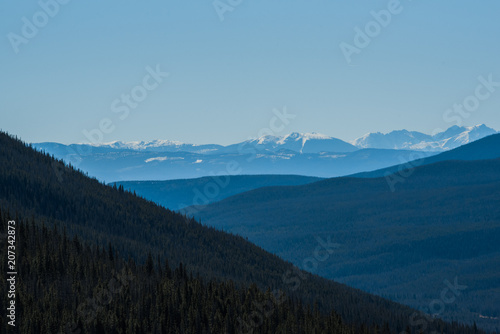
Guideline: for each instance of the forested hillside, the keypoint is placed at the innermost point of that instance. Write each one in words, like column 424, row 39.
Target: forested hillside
column 67, row 286
column 441, row 222
column 34, row 186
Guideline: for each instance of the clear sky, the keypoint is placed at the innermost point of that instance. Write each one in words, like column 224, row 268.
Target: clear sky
column 226, row 77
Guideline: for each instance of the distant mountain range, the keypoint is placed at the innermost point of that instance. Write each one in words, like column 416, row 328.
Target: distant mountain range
column 160, row 146
column 308, row 154
column 181, row 193
column 412, row 140
column 111, row 165
column 297, row 142
column 452, row 138
column 484, row 149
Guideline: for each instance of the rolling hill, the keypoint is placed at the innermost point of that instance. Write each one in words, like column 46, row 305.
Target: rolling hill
column 178, row 194
column 442, row 223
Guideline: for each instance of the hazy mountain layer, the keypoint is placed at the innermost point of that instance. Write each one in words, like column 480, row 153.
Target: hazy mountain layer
column 452, row 138
column 178, row 194
column 441, row 222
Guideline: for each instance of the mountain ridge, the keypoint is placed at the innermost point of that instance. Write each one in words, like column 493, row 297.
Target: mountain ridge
column 312, row 142
column 308, row 154
column 178, row 194
column 451, row 138
column 115, row 165
column 484, row 149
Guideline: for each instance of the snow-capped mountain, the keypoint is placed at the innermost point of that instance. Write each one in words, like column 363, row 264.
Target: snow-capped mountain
column 297, row 153
column 299, row 142
column 452, row 138
column 302, row 143
column 159, row 146
column 471, row 134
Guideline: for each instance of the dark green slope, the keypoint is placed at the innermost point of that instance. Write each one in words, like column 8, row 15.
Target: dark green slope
column 178, row 194
column 483, row 149
column 442, row 222
column 34, row 186
column 69, row 287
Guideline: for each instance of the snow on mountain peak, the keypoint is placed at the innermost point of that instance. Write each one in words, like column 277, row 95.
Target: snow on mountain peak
column 453, row 137
column 312, row 142
column 139, row 145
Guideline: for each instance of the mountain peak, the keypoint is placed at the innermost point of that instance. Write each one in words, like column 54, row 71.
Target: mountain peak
column 309, row 142
column 479, row 126
column 451, row 138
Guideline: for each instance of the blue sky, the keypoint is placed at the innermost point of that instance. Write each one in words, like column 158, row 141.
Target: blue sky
column 226, row 77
